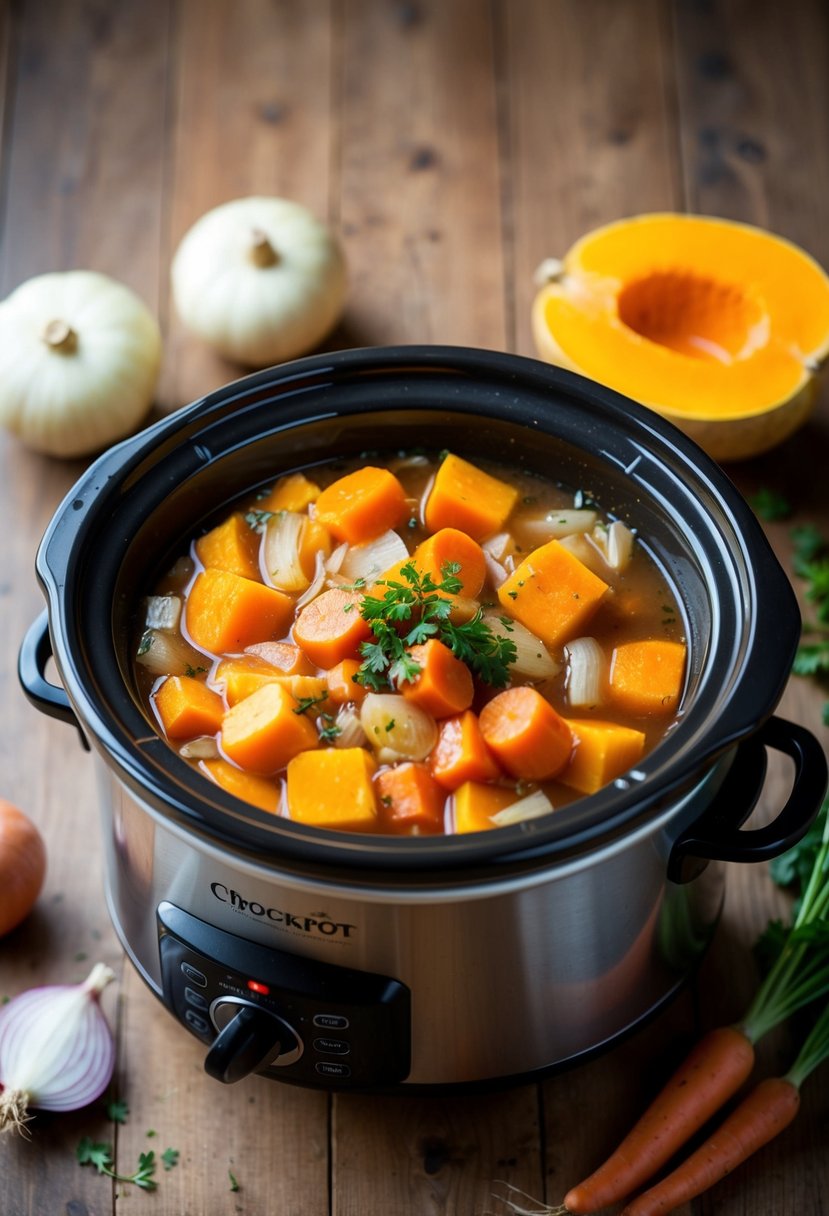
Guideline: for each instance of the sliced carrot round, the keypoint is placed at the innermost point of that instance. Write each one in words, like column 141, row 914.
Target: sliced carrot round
column 444, row 685
column 330, row 628
column 526, row 734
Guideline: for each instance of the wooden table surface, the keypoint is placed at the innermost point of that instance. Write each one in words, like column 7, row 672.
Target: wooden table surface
column 453, row 145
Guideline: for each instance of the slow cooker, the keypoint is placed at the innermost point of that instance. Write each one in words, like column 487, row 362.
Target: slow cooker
column 368, row 962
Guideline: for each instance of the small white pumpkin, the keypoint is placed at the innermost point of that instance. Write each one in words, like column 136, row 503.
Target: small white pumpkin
column 260, row 280
column 79, row 361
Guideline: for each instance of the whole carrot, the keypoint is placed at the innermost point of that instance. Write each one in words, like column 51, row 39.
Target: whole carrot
column 722, row 1060
column 715, row 1069
column 761, row 1116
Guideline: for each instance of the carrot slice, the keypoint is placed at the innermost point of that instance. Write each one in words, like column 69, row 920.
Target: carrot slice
column 410, row 798
column 474, row 805
column 465, row 497
column 715, row 1069
column 292, row 493
column 763, row 1114
column 231, row 546
column 461, row 754
column 342, row 686
column 330, row 628
column 451, row 546
column 444, row 685
column 266, row 730
column 603, row 751
column 362, row 505
column 646, row 677
column 226, row 613
column 332, row 788
column 552, row 593
column 526, row 734
column 187, row 708
column 284, row 655
column 259, row 791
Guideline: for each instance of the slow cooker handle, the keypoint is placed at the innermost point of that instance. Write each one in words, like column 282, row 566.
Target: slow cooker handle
column 717, row 834
column 35, row 653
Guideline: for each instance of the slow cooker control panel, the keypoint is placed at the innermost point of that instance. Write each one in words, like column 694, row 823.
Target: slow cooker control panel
column 267, row 1011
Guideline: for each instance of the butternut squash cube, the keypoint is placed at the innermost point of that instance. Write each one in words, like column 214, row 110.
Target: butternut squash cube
column 552, row 593
column 646, row 677
column 258, row 791
column 332, row 788
column 231, row 546
column 292, row 493
column 475, row 803
column 467, row 498
column 187, row 708
column 362, row 505
column 226, row 612
column 266, row 730
column 603, row 751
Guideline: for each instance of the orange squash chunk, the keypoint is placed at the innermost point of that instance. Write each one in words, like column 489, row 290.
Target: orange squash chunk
column 410, row 798
column 466, row 498
column 292, row 493
column 225, row 612
column 474, row 805
column 450, row 545
column 265, row 731
column 362, row 505
column 332, row 788
column 259, row 791
column 444, row 685
column 288, row 658
column 330, row 628
column 552, row 593
column 461, row 754
column 342, row 686
column 313, row 539
column 231, row 546
column 239, row 677
column 187, row 708
column 603, row 751
column 530, row 740
column 646, row 677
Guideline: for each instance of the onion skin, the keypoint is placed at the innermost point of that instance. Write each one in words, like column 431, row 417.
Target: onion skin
column 22, row 866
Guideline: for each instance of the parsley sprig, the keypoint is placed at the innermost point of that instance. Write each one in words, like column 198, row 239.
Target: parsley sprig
column 420, row 602
column 811, row 563
column 100, row 1156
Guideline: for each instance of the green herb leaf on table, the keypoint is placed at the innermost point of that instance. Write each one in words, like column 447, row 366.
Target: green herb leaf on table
column 100, row 1156
column 234, row 1185
column 169, row 1158
column 117, row 1111
column 793, row 868
column 771, row 505
column 386, row 660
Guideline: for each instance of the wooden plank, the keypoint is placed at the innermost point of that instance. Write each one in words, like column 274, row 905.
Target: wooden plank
column 419, row 179
column 252, row 116
column 84, row 121
column 588, row 127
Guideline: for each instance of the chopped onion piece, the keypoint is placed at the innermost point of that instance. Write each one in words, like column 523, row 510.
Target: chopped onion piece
column 497, row 545
column 351, row 729
column 533, row 660
column 585, row 679
column 400, row 730
column 370, row 561
column 317, row 583
column 203, row 748
column 334, row 562
column 615, row 543
column 532, row 807
column 566, row 521
column 280, row 551
column 162, row 612
column 582, row 547
column 497, row 573
column 168, row 654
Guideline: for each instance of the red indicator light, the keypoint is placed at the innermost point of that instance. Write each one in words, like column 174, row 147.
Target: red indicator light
column 262, row 989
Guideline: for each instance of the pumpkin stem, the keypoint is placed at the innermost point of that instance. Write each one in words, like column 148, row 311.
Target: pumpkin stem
column 548, row 271
column 262, row 252
column 60, row 336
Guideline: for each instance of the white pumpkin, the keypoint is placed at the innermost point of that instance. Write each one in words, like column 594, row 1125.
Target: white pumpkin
column 79, row 362
column 260, row 280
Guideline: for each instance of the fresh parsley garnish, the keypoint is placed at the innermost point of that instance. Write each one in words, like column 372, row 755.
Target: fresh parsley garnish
column 100, row 1156
column 192, row 672
column 145, row 644
column 771, row 505
column 258, row 520
column 420, row 602
column 329, row 730
column 303, row 704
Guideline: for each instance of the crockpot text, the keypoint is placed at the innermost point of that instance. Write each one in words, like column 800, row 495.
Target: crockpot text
column 306, row 924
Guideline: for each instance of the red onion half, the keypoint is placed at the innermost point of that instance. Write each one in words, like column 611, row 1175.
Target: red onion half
column 56, row 1049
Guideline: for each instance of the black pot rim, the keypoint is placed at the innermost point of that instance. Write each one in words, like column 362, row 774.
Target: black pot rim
column 743, row 676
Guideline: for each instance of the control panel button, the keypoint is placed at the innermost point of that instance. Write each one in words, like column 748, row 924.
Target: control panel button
column 330, row 1021
column 195, row 999
column 194, row 975
column 332, row 1068
column 332, row 1047
column 196, row 1021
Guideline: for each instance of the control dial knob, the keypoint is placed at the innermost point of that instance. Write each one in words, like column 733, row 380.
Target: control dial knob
column 249, row 1038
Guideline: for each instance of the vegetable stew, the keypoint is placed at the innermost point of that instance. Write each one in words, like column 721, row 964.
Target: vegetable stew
column 423, row 646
